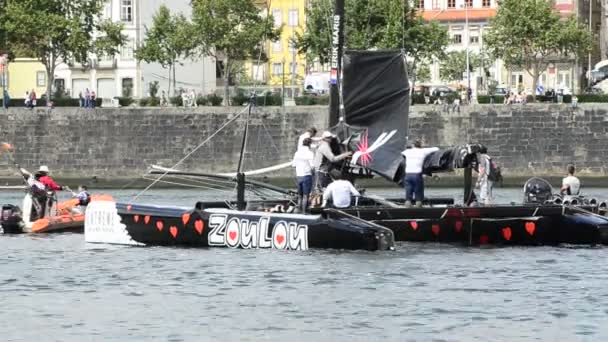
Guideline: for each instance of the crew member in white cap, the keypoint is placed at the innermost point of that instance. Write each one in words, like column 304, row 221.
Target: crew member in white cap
column 324, row 159
column 42, row 175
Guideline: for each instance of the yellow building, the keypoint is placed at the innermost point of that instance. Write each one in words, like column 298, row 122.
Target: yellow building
column 25, row 74
column 283, row 59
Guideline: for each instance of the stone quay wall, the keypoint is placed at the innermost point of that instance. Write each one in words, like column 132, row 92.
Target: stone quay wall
column 123, row 143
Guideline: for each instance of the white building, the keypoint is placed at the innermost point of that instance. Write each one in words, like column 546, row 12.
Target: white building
column 123, row 75
column 110, row 76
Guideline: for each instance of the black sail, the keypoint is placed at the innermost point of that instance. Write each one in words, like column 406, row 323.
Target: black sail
column 375, row 94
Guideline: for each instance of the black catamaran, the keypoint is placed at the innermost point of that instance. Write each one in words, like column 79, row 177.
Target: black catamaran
column 369, row 113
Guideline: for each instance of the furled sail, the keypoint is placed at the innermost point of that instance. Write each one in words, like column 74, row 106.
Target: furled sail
column 375, row 95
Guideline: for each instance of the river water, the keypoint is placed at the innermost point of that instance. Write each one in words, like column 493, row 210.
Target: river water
column 57, row 288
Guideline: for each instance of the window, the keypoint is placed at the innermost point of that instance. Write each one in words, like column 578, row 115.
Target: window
column 451, row 3
column 563, row 79
column 420, row 4
column 436, row 4
column 278, row 20
column 516, row 79
column 126, row 10
column 457, row 39
column 474, row 39
column 126, row 51
column 127, row 87
column 277, row 69
column 293, row 18
column 59, row 86
column 485, row 3
column 293, row 68
column 468, row 3
column 107, row 10
column 40, row 79
column 277, row 46
column 543, row 79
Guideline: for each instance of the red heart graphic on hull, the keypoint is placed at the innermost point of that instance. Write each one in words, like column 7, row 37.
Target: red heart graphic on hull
column 506, row 233
column 146, row 219
column 199, row 225
column 159, row 225
column 436, row 229
column 232, row 235
column 173, row 231
column 414, row 225
column 136, row 218
column 280, row 239
column 185, row 218
column 458, row 226
column 530, row 227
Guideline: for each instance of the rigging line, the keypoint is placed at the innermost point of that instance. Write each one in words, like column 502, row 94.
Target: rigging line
column 195, row 182
column 191, row 152
column 187, row 185
column 204, row 186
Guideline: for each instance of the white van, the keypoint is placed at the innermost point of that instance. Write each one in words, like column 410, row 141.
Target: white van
column 317, row 83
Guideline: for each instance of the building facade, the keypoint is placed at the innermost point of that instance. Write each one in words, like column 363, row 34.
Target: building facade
column 562, row 72
column 284, row 64
column 25, row 74
column 109, row 76
column 122, row 74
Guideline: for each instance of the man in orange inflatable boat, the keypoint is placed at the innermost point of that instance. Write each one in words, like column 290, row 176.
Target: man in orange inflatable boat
column 42, row 175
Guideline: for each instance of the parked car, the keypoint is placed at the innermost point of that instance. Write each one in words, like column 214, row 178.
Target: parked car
column 501, row 90
column 442, row 91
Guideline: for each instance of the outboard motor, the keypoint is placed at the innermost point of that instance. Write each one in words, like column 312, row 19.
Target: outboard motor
column 537, row 190
column 11, row 219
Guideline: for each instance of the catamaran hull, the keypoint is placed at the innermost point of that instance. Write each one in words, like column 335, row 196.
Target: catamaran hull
column 513, row 225
column 144, row 225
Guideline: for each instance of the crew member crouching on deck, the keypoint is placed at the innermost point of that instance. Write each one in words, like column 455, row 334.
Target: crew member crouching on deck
column 413, row 181
column 340, row 192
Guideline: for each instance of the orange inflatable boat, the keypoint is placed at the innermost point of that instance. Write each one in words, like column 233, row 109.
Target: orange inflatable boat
column 70, row 217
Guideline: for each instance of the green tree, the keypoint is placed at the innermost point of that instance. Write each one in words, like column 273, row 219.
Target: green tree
column 168, row 42
column 453, row 66
column 423, row 73
column 231, row 31
column 58, row 31
column 381, row 24
column 529, row 33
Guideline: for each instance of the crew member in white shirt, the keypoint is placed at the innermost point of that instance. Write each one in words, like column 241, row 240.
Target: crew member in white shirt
column 571, row 185
column 303, row 161
column 340, row 192
column 413, row 181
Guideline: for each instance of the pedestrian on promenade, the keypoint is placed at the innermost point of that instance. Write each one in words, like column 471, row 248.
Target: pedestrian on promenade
column 80, row 99
column 87, row 98
column 33, row 98
column 93, row 98
column 6, row 99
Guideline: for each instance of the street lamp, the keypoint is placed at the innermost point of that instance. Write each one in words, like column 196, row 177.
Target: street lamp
column 466, row 27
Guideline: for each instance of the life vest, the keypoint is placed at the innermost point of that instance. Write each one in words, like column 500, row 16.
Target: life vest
column 37, row 189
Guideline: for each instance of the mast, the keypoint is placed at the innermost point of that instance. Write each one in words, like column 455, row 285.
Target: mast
column 240, row 176
column 336, row 63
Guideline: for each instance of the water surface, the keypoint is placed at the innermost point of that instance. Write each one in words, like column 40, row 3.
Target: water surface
column 57, row 288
